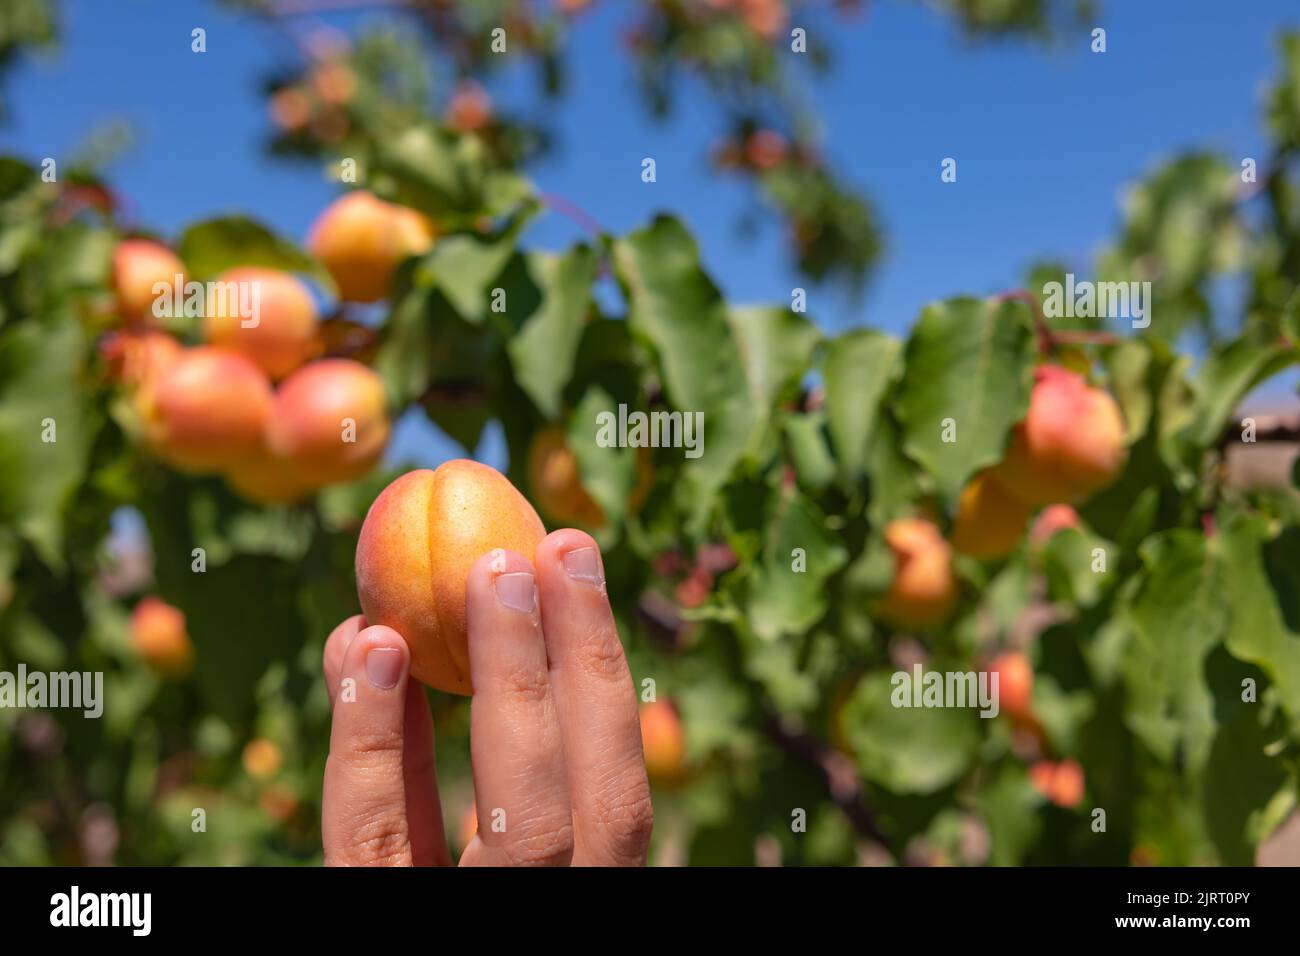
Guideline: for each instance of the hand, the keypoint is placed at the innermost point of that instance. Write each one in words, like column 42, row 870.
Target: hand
column 554, row 734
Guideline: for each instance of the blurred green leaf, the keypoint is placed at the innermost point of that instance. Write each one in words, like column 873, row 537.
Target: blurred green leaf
column 545, row 348
column 967, row 361
column 859, row 369
column 211, row 247
column 908, row 749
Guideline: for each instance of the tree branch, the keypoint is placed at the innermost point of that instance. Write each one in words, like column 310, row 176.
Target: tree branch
column 837, row 771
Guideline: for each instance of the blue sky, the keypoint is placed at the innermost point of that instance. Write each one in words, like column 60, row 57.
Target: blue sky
column 1046, row 138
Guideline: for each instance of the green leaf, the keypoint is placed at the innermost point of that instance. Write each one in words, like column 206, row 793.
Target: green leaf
column 859, row 369
column 1068, row 563
column 1227, row 376
column 211, row 247
column 1257, row 631
column 39, row 398
column 678, row 312
column 810, row 452
column 242, row 616
column 776, row 347
column 1240, row 779
column 908, row 749
column 893, row 477
column 543, row 352
column 608, row 473
column 968, row 361
column 1010, row 806
column 1177, row 614
column 787, row 591
column 465, row 267
column 1130, row 364
column 427, row 343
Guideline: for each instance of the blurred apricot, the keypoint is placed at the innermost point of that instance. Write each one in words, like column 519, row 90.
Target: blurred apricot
column 362, row 239
column 262, row 758
column 330, row 420
column 1070, row 445
column 924, row 591
column 555, row 483
column 990, row 521
column 138, row 265
column 206, row 410
column 159, row 636
column 663, row 742
column 282, row 333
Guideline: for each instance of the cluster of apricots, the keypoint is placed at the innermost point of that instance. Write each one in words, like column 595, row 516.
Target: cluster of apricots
column 1069, row 446
column 1062, row 781
column 318, row 105
column 255, row 402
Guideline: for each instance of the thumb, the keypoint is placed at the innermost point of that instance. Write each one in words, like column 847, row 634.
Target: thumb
column 363, row 813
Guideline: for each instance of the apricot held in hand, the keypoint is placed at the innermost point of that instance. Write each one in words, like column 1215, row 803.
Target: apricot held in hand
column 280, row 334
column 420, row 538
column 205, row 411
column 330, row 420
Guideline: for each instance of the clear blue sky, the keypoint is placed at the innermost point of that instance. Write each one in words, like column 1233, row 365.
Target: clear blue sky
column 1046, row 138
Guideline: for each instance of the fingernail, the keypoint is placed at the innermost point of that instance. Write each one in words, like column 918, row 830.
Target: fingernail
column 583, row 564
column 517, row 591
column 384, row 667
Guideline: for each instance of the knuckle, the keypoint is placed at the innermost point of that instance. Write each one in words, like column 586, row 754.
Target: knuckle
column 600, row 652
column 373, row 743
column 546, row 845
column 625, row 825
column 380, row 840
column 527, row 685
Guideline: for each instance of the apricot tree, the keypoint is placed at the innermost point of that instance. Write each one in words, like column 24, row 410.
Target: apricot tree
column 1003, row 491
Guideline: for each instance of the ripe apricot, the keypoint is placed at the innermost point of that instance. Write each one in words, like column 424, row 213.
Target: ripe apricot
column 137, row 265
column 1061, row 783
column 924, row 591
column 468, row 825
column 419, row 540
column 206, row 410
column 262, row 758
column 268, row 479
column 990, row 520
column 556, row 485
column 159, row 636
column 282, row 333
column 1070, row 445
column 1052, row 519
column 663, row 741
column 135, row 356
column 470, row 109
column 1015, row 684
column 330, row 420
column 362, row 239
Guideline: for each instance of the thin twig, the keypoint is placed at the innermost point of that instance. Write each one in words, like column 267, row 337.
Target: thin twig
column 573, row 211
